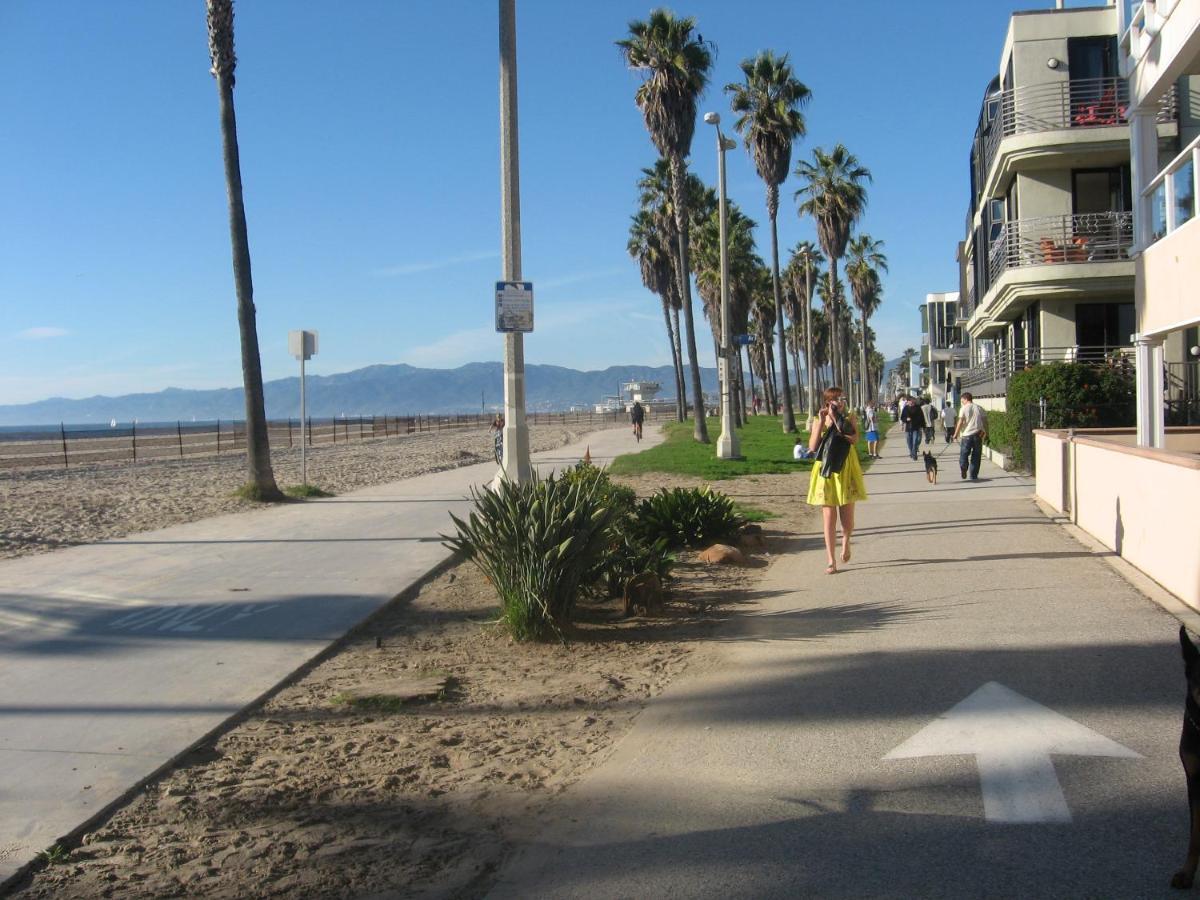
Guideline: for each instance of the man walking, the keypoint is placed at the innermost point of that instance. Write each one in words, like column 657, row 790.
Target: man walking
column 971, row 430
column 914, row 425
column 930, row 420
column 948, row 420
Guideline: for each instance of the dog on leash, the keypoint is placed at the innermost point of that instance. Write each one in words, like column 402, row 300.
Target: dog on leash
column 1189, row 755
column 931, row 467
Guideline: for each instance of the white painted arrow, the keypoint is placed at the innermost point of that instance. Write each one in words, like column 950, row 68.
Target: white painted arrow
column 1012, row 739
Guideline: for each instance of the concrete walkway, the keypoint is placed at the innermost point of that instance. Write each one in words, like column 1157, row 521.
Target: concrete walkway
column 116, row 657
column 977, row 706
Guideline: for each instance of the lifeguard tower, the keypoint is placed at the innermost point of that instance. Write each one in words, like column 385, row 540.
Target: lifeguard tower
column 642, row 392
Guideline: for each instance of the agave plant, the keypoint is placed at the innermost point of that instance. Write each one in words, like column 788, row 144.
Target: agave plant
column 539, row 543
column 687, row 516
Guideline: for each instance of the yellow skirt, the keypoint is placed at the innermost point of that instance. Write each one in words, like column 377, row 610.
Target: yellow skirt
column 846, row 486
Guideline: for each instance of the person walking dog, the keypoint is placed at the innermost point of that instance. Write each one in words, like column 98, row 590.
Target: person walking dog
column 971, row 430
column 836, row 482
column 914, row 425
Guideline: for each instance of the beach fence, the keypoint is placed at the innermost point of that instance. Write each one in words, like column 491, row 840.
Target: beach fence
column 68, row 447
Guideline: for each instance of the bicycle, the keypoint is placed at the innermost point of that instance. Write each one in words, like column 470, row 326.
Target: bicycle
column 637, row 431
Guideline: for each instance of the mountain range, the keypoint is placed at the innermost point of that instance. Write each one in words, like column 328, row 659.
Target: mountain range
column 375, row 390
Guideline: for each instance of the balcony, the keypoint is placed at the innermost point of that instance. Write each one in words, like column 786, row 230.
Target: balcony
column 1074, row 107
column 991, row 377
column 1054, row 240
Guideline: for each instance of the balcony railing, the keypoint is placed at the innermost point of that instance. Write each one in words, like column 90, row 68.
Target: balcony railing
column 1084, row 103
column 1003, row 364
column 1171, row 195
column 1049, row 240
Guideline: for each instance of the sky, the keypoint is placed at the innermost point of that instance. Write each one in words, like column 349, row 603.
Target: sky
column 369, row 139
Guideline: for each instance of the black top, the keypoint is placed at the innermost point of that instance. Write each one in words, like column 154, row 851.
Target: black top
column 913, row 418
column 637, row 414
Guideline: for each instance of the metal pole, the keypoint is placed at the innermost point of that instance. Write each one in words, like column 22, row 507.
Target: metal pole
column 303, row 419
column 727, row 443
column 515, row 464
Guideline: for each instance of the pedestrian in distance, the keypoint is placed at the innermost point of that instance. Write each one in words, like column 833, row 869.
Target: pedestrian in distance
column 801, row 451
column 931, row 417
column 948, row 418
column 913, row 421
column 637, row 415
column 836, row 482
column 871, row 421
column 970, row 431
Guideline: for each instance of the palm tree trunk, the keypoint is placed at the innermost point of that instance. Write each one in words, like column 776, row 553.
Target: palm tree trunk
column 750, row 369
column 833, row 317
column 679, row 188
column 789, row 417
column 258, row 450
column 666, row 305
column 739, row 395
column 808, row 348
column 680, row 382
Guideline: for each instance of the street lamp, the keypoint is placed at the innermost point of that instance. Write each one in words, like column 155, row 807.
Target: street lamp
column 727, row 443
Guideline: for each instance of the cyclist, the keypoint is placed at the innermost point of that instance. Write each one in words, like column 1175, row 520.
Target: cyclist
column 637, row 415
column 498, row 437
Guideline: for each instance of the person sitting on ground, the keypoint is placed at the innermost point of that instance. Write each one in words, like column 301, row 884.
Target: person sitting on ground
column 801, row 451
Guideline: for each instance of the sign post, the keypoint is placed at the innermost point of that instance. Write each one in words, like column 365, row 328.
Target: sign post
column 303, row 346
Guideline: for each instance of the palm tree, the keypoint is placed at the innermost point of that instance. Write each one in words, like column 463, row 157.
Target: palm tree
column 762, row 310
column 656, row 197
column 804, row 266
column 908, row 355
column 261, row 485
column 835, row 198
column 769, row 101
column 656, row 263
column 677, row 66
column 864, row 262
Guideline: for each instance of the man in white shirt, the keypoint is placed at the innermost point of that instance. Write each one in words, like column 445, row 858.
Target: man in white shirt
column 970, row 431
column 931, row 418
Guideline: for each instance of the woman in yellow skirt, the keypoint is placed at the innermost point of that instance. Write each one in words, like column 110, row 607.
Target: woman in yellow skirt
column 837, row 494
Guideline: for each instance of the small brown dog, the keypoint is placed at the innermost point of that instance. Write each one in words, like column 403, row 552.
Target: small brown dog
column 644, row 592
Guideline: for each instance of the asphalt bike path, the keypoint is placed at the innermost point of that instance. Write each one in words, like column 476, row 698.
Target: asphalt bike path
column 977, row 705
column 117, row 657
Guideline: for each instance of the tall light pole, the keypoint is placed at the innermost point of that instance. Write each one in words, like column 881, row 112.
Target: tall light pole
column 515, row 466
column 727, row 443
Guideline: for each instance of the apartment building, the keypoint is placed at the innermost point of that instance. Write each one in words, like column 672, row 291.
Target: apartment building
column 945, row 355
column 1047, row 265
column 1159, row 50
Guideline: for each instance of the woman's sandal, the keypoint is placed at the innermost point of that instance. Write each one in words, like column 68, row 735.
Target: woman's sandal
column 831, row 569
column 846, row 554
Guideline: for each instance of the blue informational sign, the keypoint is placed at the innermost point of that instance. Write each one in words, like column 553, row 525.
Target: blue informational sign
column 743, row 339
column 514, row 306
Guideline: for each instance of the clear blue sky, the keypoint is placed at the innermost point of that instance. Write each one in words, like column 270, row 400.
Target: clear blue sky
column 369, row 144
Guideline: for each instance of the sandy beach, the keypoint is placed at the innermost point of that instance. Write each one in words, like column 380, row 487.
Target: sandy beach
column 46, row 509
column 311, row 796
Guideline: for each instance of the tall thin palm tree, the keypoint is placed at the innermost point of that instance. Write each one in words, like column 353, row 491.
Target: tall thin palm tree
column 656, row 196
column 769, row 100
column 804, row 270
column 261, row 484
column 864, row 261
column 655, row 260
column 835, row 196
column 677, row 64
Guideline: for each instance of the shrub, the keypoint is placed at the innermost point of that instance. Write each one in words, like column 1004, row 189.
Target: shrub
column 1077, row 395
column 539, row 544
column 628, row 552
column 1002, row 430
column 686, row 517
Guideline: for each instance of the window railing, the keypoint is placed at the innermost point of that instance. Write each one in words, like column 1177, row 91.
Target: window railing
column 1004, row 363
column 1083, row 103
column 1169, row 200
column 1050, row 240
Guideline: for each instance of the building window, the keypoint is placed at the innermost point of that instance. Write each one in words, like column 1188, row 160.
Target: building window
column 1158, row 211
column 1185, row 193
column 1103, row 324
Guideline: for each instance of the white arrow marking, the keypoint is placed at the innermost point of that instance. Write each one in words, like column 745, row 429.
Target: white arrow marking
column 1012, row 739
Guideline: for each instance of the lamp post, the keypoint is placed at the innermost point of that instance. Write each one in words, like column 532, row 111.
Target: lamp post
column 727, row 443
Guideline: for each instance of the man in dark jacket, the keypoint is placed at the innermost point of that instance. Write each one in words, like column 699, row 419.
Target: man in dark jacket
column 913, row 420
